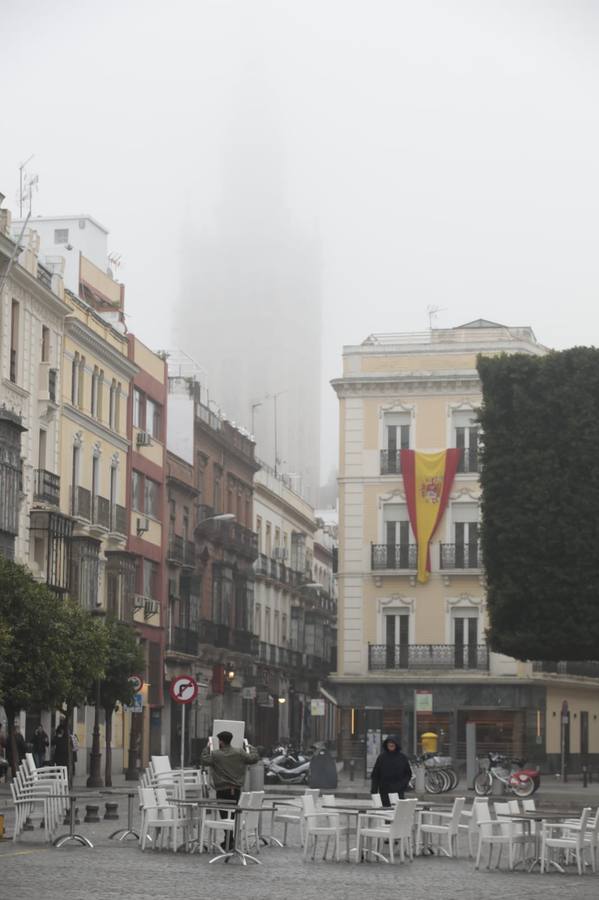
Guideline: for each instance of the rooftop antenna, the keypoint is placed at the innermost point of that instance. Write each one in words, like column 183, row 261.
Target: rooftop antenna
column 433, row 313
column 26, row 185
column 115, row 260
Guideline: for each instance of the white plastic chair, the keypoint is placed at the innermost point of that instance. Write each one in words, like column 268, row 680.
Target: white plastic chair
column 569, row 837
column 393, row 798
column 377, row 801
column 469, row 823
column 26, row 803
column 493, row 833
column 320, row 824
column 163, row 817
column 443, row 825
column 210, row 827
column 400, row 828
column 249, row 825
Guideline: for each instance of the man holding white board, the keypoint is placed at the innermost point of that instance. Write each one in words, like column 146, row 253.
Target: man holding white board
column 228, row 766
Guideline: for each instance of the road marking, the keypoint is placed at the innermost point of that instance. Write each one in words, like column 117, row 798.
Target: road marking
column 24, row 852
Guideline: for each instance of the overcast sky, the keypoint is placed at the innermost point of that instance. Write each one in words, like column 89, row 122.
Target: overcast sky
column 443, row 153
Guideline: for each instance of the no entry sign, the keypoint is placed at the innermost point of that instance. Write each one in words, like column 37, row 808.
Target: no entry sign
column 184, row 689
column 137, row 682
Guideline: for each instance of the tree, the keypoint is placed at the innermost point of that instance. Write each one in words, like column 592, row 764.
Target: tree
column 124, row 658
column 540, row 503
column 34, row 669
column 5, row 642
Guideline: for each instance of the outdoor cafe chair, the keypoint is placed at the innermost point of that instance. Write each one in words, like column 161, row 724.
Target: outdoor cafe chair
column 493, row 833
column 161, row 816
column 378, row 828
column 441, row 824
column 377, row 801
column 469, row 823
column 319, row 824
column 569, row 837
column 209, row 828
column 55, row 788
column 250, row 821
column 27, row 801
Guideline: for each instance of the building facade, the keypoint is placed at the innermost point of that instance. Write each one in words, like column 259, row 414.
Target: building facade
column 412, row 652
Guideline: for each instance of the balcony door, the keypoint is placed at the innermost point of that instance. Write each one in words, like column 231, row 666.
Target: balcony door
column 397, row 536
column 397, row 640
column 466, row 545
column 465, row 641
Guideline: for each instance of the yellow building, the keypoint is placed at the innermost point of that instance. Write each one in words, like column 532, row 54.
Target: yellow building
column 412, row 655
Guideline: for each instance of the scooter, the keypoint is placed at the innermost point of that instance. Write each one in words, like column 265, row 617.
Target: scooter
column 285, row 769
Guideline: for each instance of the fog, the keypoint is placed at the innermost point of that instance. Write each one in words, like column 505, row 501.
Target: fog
column 361, row 161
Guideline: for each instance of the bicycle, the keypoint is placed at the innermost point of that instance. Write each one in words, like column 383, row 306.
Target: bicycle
column 518, row 781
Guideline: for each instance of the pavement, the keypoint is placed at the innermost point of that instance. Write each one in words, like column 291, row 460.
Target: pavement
column 115, row 870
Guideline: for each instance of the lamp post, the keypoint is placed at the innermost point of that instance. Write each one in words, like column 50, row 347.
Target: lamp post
column 95, row 758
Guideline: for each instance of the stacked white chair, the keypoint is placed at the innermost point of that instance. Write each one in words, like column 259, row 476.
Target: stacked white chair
column 39, row 794
column 210, row 828
column 163, row 817
column 249, row 825
column 400, row 829
column 571, row 838
column 469, row 823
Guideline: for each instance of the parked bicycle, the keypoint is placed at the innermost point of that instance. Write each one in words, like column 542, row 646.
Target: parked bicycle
column 439, row 773
column 510, row 772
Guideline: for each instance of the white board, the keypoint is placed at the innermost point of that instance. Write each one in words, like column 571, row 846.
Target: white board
column 237, row 729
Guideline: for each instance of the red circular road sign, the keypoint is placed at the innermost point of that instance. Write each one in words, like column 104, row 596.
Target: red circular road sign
column 184, row 689
column 137, row 682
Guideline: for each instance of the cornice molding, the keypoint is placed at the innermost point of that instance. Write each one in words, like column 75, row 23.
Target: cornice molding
column 411, row 383
column 96, row 428
column 80, row 332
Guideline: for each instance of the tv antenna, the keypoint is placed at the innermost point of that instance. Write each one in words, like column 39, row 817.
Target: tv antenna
column 27, row 184
column 433, row 313
column 115, row 260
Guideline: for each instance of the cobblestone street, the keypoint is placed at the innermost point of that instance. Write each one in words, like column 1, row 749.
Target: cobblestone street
column 120, row 870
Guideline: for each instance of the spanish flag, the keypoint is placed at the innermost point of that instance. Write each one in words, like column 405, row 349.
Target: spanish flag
column 427, row 479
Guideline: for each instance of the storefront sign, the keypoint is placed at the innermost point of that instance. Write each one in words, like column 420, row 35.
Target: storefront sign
column 248, row 693
column 317, row 707
column 423, row 701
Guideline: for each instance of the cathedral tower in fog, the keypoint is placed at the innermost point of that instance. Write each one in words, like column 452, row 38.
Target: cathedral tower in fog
column 250, row 305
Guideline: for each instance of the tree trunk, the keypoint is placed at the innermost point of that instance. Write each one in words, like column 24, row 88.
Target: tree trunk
column 108, row 749
column 11, row 741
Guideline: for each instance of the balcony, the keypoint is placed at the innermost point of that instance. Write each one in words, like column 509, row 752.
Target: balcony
column 175, row 549
column 52, row 383
column 395, row 557
column 244, row 642
column 415, row 657
column 189, row 553
column 231, row 638
column 279, row 656
column 390, row 462
column 101, row 512
column 585, row 668
column 118, row 522
column 46, row 487
column 460, row 556
column 469, row 461
column 230, row 534
column 183, row 640
column 81, row 503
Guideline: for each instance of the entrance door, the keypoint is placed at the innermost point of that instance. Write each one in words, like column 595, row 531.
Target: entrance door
column 465, row 639
column 398, row 545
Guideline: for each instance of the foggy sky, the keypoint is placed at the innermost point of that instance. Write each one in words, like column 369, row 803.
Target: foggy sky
column 443, row 153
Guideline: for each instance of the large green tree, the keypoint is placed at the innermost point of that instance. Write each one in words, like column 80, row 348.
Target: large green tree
column 540, row 503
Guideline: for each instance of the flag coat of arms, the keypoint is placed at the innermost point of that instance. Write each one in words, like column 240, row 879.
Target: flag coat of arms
column 427, row 478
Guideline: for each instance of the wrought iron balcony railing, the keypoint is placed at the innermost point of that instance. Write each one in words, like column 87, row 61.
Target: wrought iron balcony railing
column 47, row 487
column 184, row 640
column 118, row 519
column 460, row 556
column 81, row 502
column 394, row 556
column 390, row 462
column 469, row 461
column 175, row 549
column 588, row 668
column 101, row 512
column 428, row 656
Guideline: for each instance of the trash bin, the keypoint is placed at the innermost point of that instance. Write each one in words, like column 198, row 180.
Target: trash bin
column 429, row 741
column 323, row 771
column 256, row 773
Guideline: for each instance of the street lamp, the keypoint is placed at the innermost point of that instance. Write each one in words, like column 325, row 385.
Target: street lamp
column 221, row 517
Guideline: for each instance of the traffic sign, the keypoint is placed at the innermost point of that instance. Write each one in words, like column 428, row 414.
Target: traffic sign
column 137, row 682
column 184, row 689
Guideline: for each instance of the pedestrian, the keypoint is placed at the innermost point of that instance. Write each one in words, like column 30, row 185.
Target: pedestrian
column 228, row 770
column 17, row 740
column 3, row 760
column 60, row 744
column 391, row 772
column 40, row 741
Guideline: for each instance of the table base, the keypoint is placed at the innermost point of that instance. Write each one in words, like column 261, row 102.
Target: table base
column 125, row 832
column 231, row 854
column 78, row 838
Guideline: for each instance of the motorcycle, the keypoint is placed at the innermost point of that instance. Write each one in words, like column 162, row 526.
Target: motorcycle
column 287, row 768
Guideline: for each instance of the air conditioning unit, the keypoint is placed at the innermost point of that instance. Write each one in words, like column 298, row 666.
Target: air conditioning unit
column 151, row 607
column 138, row 601
column 144, row 439
column 143, row 525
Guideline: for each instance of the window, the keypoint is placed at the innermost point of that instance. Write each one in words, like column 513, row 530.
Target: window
column 276, row 634
column 94, row 394
column 45, row 343
column 257, row 619
column 284, row 630
column 42, row 450
column 75, row 379
column 259, row 533
column 152, row 498
column 99, row 392
column 14, row 341
column 139, row 417
column 117, row 408
column 80, row 377
column 397, row 640
column 466, row 535
column 397, row 438
column 154, row 419
column 398, row 537
column 267, row 625
column 268, row 548
column 150, row 575
column 61, row 235
column 277, row 537
column 137, row 491
column 216, row 492
column 112, row 406
column 465, row 638
column 466, row 435
column 113, row 487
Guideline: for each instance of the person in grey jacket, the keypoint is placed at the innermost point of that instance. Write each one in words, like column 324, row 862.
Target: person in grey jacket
column 228, row 769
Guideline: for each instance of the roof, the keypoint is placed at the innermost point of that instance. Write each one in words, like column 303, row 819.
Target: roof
column 86, row 216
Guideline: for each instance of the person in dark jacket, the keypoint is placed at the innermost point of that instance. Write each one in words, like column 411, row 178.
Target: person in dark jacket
column 40, row 742
column 391, row 772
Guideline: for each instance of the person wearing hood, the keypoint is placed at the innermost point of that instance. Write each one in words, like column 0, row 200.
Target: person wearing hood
column 391, row 772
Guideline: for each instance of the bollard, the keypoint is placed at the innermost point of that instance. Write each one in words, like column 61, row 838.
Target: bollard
column 112, row 811
column 419, row 786
column 352, row 769
column 91, row 814
column 585, row 777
